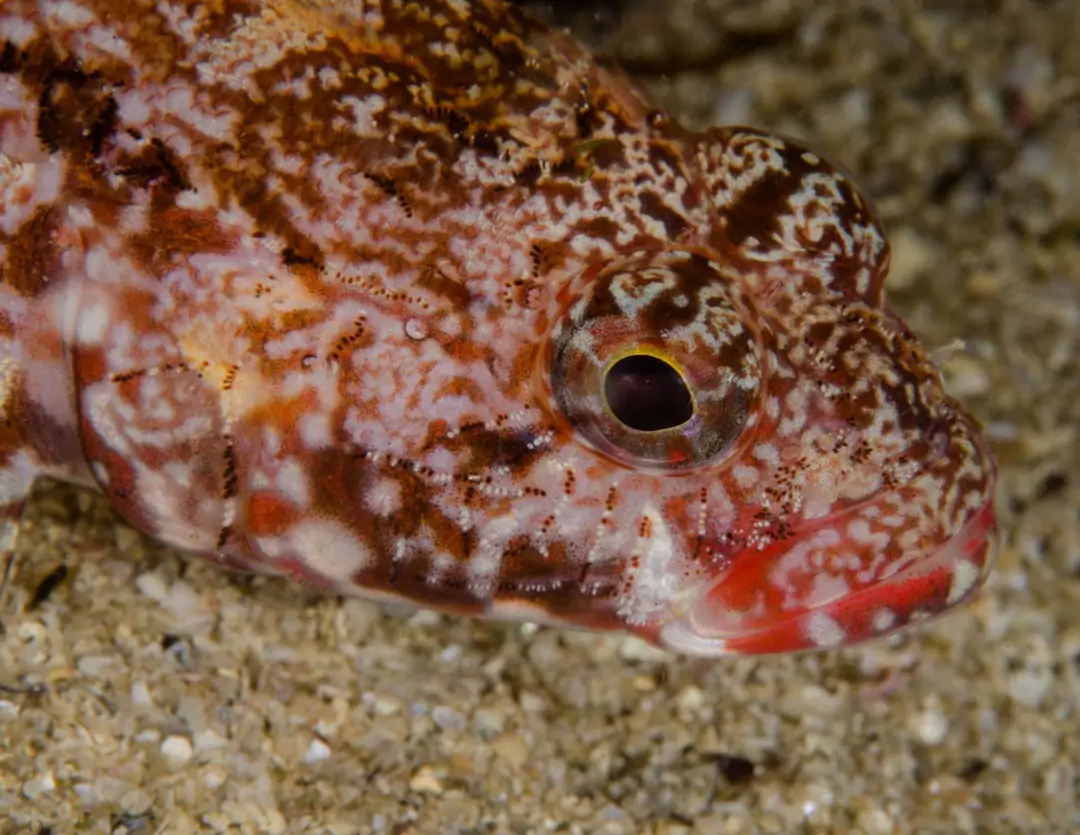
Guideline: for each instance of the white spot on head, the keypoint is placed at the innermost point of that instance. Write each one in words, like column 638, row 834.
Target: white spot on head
column 315, row 432
column 66, row 14
column 363, row 112
column 328, row 548
column 17, row 29
column 292, row 481
column 93, row 324
column 883, row 619
column 767, row 454
column 824, row 631
column 745, row 476
column 16, row 478
column 965, row 576
column 656, row 582
column 384, row 497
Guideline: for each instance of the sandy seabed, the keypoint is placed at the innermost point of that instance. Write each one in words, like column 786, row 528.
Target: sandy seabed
column 157, row 695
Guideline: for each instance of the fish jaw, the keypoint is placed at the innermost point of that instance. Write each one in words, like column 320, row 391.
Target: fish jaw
column 821, row 590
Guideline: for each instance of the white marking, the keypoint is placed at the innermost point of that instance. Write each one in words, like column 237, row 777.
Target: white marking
column 109, row 42
column 292, row 482
column 66, row 14
column 745, row 476
column 384, row 497
column 656, row 582
column 329, row 548
column 315, row 431
column 678, row 638
column 19, row 30
column 883, row 619
column 16, row 478
column 24, row 186
column 965, row 576
column 363, row 112
column 824, row 631
column 767, row 454
column 94, row 320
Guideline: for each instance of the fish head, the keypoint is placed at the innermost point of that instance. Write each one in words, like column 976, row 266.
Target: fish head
column 791, row 474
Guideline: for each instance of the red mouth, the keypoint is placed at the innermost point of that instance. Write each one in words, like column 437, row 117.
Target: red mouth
column 744, row 614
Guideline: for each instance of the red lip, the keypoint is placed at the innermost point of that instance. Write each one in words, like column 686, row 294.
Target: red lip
column 945, row 576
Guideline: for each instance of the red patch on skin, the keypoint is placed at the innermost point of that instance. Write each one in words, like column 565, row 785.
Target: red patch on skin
column 270, row 514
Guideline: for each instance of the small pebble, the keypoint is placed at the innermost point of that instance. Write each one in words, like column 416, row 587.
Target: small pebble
column 37, row 786
column 317, row 752
column 690, row 699
column 425, row 781
column 140, row 695
column 387, row 706
column 487, row 721
column 512, row 748
column 930, row 726
column 447, row 718
column 96, row 666
column 177, row 751
column 875, row 822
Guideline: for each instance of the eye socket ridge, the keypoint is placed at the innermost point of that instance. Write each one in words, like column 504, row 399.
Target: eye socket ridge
column 647, row 391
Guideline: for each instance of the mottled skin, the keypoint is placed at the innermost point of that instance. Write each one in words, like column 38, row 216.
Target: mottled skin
column 331, row 289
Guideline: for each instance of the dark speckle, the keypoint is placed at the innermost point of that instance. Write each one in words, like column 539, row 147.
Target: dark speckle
column 47, row 586
column 77, row 113
column 735, row 769
column 973, row 768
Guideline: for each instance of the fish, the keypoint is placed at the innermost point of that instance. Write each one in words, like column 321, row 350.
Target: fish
column 424, row 303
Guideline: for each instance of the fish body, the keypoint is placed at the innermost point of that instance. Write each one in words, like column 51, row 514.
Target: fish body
column 418, row 301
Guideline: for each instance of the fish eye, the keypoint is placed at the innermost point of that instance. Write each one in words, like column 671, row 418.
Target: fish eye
column 656, row 363
column 647, row 393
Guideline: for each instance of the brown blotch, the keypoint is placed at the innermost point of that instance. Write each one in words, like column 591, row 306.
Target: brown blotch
column 31, row 255
column 526, row 574
column 174, row 232
column 490, row 448
column 436, row 281
column 154, row 165
column 292, row 257
column 77, row 113
column 9, row 58
column 653, row 205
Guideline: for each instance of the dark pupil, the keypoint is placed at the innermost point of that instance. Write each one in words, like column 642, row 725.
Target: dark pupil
column 647, row 394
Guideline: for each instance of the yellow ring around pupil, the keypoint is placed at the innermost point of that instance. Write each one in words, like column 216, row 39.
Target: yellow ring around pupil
column 644, row 351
